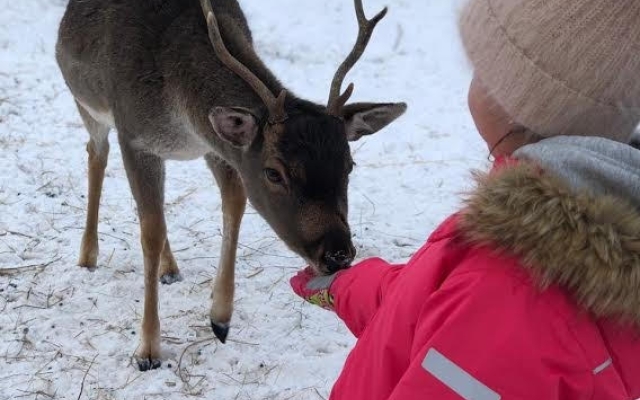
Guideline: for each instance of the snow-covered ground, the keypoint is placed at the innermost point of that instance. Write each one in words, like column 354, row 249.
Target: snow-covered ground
column 66, row 333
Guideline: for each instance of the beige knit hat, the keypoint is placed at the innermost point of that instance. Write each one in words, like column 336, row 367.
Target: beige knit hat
column 559, row 67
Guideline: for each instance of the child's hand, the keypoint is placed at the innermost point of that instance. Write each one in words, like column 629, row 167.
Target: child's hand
column 314, row 289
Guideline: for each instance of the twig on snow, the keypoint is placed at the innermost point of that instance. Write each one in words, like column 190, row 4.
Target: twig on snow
column 84, row 378
column 16, row 233
column 319, row 395
column 27, row 268
column 181, row 374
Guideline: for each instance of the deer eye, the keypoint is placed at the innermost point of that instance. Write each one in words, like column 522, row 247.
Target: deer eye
column 273, row 176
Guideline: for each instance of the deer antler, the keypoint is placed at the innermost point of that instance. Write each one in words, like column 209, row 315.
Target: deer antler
column 275, row 106
column 366, row 27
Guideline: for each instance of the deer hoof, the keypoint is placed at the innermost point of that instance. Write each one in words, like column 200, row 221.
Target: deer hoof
column 147, row 364
column 170, row 279
column 220, row 330
column 88, row 267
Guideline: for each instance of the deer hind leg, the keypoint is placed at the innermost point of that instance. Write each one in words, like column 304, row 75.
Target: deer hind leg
column 146, row 177
column 98, row 151
column 234, row 201
column 169, row 271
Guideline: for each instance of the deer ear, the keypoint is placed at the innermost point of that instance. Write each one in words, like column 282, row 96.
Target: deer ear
column 235, row 125
column 364, row 119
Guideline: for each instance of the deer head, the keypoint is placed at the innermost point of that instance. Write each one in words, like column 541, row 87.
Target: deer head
column 294, row 157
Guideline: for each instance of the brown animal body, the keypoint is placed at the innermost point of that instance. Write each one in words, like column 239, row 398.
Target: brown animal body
column 148, row 69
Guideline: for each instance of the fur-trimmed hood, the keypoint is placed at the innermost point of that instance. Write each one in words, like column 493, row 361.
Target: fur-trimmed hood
column 586, row 242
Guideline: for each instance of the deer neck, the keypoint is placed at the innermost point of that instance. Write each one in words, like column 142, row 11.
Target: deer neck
column 206, row 83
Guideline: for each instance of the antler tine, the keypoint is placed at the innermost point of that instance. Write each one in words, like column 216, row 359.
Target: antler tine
column 343, row 98
column 366, row 28
column 274, row 105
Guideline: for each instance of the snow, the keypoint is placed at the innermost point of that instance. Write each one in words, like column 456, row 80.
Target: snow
column 68, row 333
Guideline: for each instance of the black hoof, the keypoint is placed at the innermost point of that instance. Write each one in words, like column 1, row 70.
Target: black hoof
column 147, row 364
column 220, row 330
column 170, row 279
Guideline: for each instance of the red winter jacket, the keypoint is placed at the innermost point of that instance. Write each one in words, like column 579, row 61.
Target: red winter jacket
column 508, row 299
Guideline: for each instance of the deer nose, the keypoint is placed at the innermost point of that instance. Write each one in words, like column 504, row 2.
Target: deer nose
column 338, row 260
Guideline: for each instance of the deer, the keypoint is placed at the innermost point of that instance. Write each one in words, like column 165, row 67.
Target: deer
column 180, row 80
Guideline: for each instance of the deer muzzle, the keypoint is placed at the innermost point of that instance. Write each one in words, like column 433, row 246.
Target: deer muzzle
column 336, row 252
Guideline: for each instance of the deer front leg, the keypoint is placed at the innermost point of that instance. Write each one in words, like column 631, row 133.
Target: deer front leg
column 98, row 151
column 146, row 177
column 234, row 201
column 153, row 238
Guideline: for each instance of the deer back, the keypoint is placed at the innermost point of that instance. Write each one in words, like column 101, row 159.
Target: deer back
column 147, row 60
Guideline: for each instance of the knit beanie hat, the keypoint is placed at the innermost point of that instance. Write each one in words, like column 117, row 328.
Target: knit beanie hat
column 559, row 67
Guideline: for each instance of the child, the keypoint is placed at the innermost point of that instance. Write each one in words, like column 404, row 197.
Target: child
column 532, row 290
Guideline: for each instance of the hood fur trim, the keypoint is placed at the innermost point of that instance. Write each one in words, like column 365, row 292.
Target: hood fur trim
column 588, row 245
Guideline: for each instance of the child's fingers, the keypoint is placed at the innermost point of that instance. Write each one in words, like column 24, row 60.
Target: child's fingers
column 299, row 282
